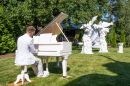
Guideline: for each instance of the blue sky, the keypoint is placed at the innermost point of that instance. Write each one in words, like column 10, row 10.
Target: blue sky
column 108, row 14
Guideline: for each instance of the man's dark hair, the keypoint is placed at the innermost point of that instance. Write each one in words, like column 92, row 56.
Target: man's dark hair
column 30, row 29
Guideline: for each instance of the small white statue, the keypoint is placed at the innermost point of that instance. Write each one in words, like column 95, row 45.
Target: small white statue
column 103, row 30
column 87, row 43
column 120, row 47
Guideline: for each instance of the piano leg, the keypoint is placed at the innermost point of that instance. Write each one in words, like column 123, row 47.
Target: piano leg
column 64, row 65
column 47, row 64
column 58, row 63
column 47, row 70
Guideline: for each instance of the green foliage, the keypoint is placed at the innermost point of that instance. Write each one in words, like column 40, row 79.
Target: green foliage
column 122, row 17
column 7, row 42
column 128, row 40
column 14, row 14
column 123, row 38
column 81, row 35
column 113, row 41
column 106, row 39
column 10, row 30
column 81, row 11
column 109, row 37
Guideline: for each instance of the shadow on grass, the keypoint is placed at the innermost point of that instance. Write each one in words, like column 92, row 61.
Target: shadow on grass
column 95, row 49
column 80, row 48
column 121, row 77
column 52, row 69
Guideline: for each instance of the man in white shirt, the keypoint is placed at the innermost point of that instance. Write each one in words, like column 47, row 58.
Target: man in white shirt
column 25, row 48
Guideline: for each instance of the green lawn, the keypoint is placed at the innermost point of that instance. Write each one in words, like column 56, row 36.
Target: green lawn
column 99, row 69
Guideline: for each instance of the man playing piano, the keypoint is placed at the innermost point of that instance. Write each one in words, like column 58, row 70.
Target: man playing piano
column 25, row 50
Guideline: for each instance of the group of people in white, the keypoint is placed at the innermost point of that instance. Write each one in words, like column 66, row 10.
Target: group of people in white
column 94, row 36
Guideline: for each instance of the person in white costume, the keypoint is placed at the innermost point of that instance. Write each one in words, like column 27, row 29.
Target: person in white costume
column 103, row 30
column 25, row 50
column 87, row 43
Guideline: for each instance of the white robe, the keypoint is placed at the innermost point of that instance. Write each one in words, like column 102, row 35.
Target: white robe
column 25, row 48
column 87, row 45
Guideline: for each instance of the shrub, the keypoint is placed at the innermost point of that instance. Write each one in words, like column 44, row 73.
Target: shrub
column 113, row 41
column 123, row 38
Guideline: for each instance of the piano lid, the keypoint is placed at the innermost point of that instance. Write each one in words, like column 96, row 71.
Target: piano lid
column 52, row 27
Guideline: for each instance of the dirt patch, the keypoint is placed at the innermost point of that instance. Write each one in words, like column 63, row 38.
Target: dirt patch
column 7, row 55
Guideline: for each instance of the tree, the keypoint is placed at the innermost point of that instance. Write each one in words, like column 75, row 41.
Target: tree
column 40, row 13
column 18, row 14
column 122, row 16
column 111, row 9
column 113, row 41
column 7, row 42
column 123, row 38
column 82, row 11
column 107, row 39
column 128, row 40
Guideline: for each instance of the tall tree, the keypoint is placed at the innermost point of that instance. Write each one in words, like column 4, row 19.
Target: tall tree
column 111, row 9
column 113, row 42
column 82, row 11
column 123, row 38
column 19, row 14
column 121, row 13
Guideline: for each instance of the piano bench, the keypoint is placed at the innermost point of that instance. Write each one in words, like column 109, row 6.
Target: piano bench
column 24, row 75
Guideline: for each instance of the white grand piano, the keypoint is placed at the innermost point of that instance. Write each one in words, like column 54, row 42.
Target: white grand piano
column 46, row 42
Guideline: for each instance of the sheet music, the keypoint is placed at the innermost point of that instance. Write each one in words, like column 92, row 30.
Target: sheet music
column 53, row 39
column 45, row 38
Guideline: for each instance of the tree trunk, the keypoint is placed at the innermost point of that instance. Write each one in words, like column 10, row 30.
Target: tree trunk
column 111, row 9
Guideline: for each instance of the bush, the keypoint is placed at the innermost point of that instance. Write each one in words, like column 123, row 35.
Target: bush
column 123, row 38
column 113, row 41
column 9, row 34
column 128, row 40
column 80, row 35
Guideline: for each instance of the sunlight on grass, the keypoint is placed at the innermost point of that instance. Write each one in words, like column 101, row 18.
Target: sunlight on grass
column 99, row 69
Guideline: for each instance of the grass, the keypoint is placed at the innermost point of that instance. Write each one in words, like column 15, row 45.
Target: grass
column 99, row 69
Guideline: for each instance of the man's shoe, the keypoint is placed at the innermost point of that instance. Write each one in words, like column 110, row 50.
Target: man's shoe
column 44, row 75
column 39, row 75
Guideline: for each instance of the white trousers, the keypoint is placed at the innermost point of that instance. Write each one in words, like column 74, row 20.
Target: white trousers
column 38, row 70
